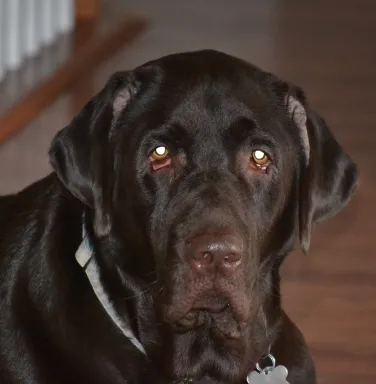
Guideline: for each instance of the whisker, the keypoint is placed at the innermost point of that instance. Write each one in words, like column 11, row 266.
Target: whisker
column 148, row 288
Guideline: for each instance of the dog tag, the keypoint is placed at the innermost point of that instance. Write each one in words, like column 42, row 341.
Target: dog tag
column 278, row 375
column 269, row 375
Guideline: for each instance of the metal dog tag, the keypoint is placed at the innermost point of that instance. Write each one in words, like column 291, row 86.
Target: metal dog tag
column 276, row 376
column 269, row 375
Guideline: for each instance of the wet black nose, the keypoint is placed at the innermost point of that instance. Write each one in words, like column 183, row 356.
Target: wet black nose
column 211, row 253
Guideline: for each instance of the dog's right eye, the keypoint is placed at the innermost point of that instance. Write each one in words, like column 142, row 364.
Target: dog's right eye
column 160, row 158
column 260, row 160
column 260, row 157
column 159, row 153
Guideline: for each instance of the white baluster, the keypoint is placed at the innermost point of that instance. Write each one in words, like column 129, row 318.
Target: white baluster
column 47, row 22
column 12, row 40
column 30, row 38
column 65, row 15
column 2, row 13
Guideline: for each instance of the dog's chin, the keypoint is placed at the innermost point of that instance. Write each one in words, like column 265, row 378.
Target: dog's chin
column 215, row 314
column 206, row 345
column 206, row 333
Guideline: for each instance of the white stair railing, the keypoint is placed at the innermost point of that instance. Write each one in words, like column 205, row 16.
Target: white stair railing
column 28, row 26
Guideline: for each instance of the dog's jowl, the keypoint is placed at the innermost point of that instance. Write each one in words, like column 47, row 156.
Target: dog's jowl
column 151, row 254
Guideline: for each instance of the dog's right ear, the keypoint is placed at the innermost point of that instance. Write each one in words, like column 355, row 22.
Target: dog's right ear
column 81, row 154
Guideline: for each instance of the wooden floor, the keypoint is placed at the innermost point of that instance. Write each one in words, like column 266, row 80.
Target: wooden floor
column 329, row 48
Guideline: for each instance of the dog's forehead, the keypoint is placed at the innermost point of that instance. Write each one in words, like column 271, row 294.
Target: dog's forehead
column 209, row 72
column 206, row 87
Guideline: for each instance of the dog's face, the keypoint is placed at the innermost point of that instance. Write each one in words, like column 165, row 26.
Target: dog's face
column 205, row 168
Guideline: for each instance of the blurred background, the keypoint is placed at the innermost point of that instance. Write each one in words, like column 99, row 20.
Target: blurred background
column 64, row 51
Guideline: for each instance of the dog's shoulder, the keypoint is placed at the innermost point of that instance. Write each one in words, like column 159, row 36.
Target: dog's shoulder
column 21, row 210
column 25, row 198
column 5, row 202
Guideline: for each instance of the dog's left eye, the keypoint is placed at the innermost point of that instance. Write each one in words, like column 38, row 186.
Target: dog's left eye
column 260, row 159
column 160, row 158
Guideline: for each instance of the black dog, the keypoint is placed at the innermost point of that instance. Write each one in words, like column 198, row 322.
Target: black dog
column 152, row 253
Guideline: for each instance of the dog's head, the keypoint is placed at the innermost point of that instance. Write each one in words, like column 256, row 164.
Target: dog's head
column 202, row 169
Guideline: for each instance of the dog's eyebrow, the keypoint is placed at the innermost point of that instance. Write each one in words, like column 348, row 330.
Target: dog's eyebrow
column 242, row 127
column 263, row 141
column 249, row 132
column 169, row 133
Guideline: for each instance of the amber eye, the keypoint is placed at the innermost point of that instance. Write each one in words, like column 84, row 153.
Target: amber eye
column 159, row 153
column 260, row 157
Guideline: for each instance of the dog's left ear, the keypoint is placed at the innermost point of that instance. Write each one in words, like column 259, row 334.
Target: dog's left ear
column 81, row 154
column 329, row 177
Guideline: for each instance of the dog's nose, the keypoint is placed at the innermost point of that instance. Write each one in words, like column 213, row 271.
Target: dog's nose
column 208, row 254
